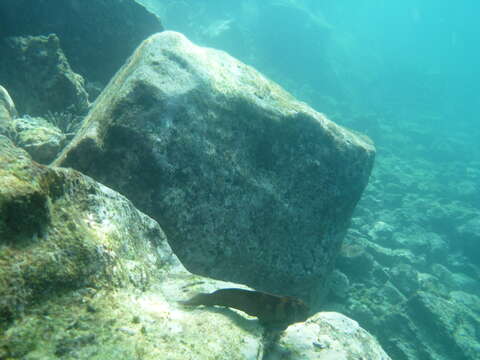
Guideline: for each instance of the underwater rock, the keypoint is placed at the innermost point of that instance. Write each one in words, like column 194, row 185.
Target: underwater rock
column 66, row 243
column 428, row 326
column 327, row 335
column 97, row 36
column 84, row 275
column 452, row 322
column 43, row 80
column 455, row 280
column 470, row 301
column 40, row 138
column 405, row 278
column 249, row 184
column 338, row 284
column 381, row 232
column 391, row 257
column 469, row 239
column 7, row 112
column 60, row 230
column 354, row 260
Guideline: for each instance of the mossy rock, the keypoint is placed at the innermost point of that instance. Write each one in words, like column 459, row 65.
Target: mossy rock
column 60, row 231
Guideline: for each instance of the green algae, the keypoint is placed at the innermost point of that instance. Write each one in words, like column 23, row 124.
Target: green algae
column 48, row 243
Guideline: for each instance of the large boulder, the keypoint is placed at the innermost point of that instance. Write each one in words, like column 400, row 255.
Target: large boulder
column 249, row 184
column 39, row 77
column 97, row 36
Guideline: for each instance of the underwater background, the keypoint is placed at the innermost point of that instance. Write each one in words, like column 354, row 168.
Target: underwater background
column 405, row 73
column 84, row 274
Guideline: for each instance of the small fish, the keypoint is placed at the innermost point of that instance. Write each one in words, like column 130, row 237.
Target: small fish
column 271, row 310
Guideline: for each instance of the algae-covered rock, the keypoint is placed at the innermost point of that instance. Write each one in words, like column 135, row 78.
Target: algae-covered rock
column 38, row 75
column 60, row 230
column 40, row 138
column 97, row 36
column 469, row 238
column 93, row 323
column 83, row 274
column 452, row 321
column 327, row 336
column 427, row 326
column 354, row 259
column 249, row 184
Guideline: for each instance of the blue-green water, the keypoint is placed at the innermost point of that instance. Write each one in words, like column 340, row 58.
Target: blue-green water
column 405, row 73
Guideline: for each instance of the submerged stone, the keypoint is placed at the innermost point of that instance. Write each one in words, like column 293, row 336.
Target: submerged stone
column 249, row 184
column 39, row 77
column 39, row 137
column 327, row 336
column 61, row 231
column 97, row 36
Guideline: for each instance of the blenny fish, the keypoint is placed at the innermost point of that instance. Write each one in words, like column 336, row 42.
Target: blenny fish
column 271, row 310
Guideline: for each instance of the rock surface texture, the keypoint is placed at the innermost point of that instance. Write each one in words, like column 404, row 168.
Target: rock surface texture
column 60, row 231
column 39, row 137
column 97, row 36
column 39, row 78
column 85, row 275
column 249, row 184
column 327, row 336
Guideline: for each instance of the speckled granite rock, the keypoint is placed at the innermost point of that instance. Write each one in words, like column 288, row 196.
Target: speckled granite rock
column 327, row 336
column 249, row 184
column 97, row 36
column 42, row 81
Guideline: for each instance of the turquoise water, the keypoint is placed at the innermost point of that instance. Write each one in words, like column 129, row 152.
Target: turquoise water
column 405, row 73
